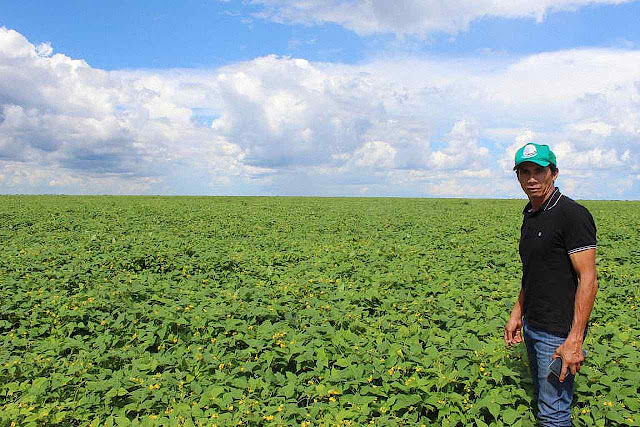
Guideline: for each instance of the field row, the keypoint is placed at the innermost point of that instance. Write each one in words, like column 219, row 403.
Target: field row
column 295, row 311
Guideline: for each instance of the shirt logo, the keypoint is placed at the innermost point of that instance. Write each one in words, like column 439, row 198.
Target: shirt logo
column 530, row 150
column 539, row 233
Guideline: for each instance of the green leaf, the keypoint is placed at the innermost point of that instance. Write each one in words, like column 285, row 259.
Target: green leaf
column 288, row 390
column 510, row 415
column 494, row 409
column 613, row 415
column 404, row 401
column 322, row 359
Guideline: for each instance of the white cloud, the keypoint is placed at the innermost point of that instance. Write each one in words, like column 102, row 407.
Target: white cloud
column 286, row 112
column 416, row 17
column 482, row 173
column 595, row 128
column 377, row 154
column 280, row 125
column 570, row 157
column 50, row 179
column 44, row 49
column 462, row 151
column 461, row 187
column 60, row 116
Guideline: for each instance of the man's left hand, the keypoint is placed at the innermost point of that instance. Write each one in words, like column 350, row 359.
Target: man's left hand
column 572, row 357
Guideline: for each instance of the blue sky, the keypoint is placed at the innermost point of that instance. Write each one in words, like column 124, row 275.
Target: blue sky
column 329, row 98
column 123, row 34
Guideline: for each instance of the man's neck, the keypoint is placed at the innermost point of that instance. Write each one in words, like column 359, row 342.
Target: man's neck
column 537, row 202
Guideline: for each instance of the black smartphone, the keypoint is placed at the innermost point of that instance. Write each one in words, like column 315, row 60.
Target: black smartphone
column 555, row 367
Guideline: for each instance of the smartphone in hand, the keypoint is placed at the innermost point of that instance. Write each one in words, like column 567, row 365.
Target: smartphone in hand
column 555, row 367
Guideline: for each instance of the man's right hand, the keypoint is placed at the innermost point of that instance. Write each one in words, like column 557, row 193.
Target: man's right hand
column 513, row 331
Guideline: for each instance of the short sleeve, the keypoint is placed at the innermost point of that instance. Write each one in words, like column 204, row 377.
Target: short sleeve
column 579, row 231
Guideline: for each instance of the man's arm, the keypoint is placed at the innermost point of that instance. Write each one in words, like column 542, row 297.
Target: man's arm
column 584, row 263
column 513, row 328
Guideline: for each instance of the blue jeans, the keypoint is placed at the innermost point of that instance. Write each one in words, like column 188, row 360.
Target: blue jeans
column 552, row 397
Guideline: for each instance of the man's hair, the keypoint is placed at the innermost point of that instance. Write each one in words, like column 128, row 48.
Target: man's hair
column 553, row 168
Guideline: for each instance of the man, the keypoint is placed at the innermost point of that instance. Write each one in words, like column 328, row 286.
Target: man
column 559, row 285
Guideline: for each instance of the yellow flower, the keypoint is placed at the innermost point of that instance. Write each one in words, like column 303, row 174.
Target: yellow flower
column 268, row 417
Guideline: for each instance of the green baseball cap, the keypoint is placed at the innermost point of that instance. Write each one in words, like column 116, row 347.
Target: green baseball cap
column 536, row 153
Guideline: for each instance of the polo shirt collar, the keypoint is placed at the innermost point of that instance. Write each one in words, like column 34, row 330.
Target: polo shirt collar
column 546, row 206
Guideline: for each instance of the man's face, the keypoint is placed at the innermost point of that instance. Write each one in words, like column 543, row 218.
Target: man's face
column 536, row 181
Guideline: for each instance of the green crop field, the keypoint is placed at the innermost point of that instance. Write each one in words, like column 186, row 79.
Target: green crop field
column 290, row 311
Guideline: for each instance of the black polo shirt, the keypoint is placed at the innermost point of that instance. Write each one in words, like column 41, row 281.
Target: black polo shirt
column 547, row 237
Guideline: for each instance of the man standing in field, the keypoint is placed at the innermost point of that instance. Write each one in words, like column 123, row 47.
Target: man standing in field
column 559, row 285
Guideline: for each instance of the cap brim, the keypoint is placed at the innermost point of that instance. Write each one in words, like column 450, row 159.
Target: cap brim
column 543, row 163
